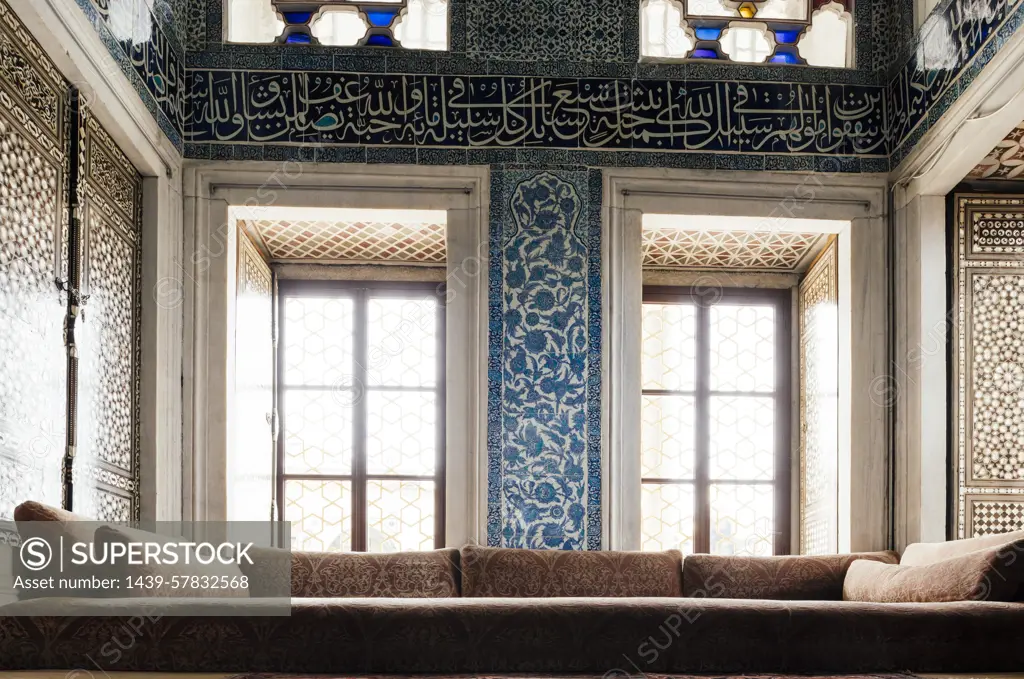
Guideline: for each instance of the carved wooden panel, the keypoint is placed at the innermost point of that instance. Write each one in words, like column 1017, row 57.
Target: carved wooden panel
column 819, row 406
column 988, row 382
column 108, row 332
column 33, row 177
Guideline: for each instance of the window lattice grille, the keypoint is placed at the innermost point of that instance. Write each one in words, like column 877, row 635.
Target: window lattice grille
column 354, row 241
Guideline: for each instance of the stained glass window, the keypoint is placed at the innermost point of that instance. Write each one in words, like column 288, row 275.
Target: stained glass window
column 413, row 24
column 715, row 404
column 810, row 32
column 361, row 415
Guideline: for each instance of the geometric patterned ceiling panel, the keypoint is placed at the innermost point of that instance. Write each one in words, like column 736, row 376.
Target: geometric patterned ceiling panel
column 1006, row 160
column 748, row 250
column 353, row 241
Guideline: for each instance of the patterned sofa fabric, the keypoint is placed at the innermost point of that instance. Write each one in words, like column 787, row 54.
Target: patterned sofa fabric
column 809, row 578
column 350, row 574
column 494, row 572
column 557, row 635
column 992, row 574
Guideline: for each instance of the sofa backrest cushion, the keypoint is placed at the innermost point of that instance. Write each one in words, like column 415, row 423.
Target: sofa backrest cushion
column 191, row 580
column 494, row 572
column 356, row 574
column 34, row 519
column 925, row 553
column 992, row 574
column 808, row 578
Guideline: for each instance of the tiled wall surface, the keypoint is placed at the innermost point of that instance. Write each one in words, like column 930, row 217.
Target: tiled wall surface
column 544, row 361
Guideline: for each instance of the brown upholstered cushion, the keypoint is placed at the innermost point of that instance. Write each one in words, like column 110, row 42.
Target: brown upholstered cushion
column 809, row 578
column 34, row 519
column 924, row 553
column 195, row 580
column 992, row 574
column 492, row 572
column 352, row 574
column 37, row 511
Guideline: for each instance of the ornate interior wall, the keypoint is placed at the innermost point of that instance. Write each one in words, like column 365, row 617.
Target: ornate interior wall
column 532, row 94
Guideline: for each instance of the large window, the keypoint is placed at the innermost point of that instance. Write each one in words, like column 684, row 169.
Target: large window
column 815, row 33
column 361, row 407
column 715, row 430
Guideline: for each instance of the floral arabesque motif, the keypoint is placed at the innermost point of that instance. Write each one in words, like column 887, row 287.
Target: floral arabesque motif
column 544, row 367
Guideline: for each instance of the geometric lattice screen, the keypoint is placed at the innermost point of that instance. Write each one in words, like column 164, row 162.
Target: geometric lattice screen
column 819, row 405
column 87, row 329
column 989, row 352
column 406, row 241
column 747, row 250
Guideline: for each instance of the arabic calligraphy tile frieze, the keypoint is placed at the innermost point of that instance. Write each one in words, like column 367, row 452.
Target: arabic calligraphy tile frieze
column 959, row 39
column 153, row 62
column 526, row 112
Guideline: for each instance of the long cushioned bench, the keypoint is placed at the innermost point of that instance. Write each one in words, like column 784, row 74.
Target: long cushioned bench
column 484, row 610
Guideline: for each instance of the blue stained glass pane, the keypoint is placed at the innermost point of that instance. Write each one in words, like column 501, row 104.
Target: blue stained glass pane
column 784, row 58
column 708, row 33
column 382, row 17
column 787, row 37
column 701, row 53
column 298, row 17
column 380, row 41
column 298, row 39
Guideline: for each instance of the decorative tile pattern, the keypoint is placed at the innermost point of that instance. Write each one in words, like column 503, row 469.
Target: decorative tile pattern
column 748, row 250
column 33, row 182
column 108, row 332
column 578, row 30
column 544, row 362
column 353, row 241
column 989, row 376
column 505, row 111
column 1006, row 160
column 996, row 233
column 819, row 406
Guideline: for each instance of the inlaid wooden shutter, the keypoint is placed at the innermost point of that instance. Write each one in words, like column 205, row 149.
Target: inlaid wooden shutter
column 108, row 330
column 33, row 259
column 988, row 364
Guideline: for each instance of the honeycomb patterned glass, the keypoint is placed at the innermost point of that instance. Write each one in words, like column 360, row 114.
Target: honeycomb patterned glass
column 401, row 434
column 318, row 336
column 742, row 348
column 667, row 516
column 318, row 432
column 402, row 347
column 362, row 414
column 742, row 438
column 667, row 437
column 669, row 347
column 400, row 515
column 742, row 519
column 320, row 513
column 708, row 420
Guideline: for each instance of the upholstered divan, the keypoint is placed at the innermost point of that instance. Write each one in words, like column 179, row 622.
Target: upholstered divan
column 481, row 610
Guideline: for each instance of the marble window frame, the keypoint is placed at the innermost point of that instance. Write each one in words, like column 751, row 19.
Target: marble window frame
column 213, row 190
column 862, row 201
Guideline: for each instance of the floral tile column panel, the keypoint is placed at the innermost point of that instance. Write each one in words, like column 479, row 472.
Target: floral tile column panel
column 988, row 369
column 544, row 360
